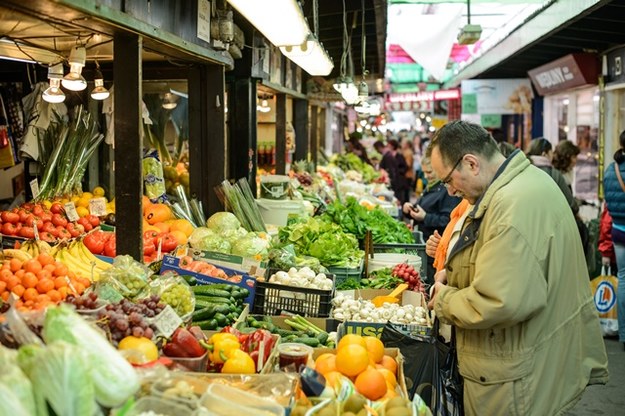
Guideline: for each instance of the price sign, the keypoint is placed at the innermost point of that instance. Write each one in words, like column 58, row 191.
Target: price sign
column 70, row 211
column 35, row 230
column 167, row 321
column 97, row 207
column 34, row 187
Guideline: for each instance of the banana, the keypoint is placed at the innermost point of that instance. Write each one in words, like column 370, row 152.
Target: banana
column 73, row 263
column 12, row 253
column 89, row 257
column 43, row 246
column 30, row 247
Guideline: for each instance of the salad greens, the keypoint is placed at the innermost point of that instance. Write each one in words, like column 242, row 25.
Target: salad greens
column 356, row 219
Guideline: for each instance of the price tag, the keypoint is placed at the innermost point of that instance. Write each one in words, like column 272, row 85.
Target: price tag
column 182, row 251
column 36, row 230
column 70, row 211
column 97, row 207
column 167, row 321
column 34, row 188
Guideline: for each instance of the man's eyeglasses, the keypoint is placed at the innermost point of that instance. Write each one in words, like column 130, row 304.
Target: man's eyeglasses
column 445, row 181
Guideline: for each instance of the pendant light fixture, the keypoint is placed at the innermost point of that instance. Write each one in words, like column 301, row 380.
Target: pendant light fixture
column 363, row 88
column 54, row 94
column 74, row 81
column 342, row 82
column 99, row 92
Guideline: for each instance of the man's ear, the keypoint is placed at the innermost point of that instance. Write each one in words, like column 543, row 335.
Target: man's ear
column 473, row 162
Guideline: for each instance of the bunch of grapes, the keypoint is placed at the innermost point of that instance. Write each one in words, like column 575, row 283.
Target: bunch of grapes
column 409, row 275
column 84, row 302
column 126, row 318
column 179, row 297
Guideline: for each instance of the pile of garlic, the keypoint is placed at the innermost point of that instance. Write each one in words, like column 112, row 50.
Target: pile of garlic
column 349, row 309
column 304, row 277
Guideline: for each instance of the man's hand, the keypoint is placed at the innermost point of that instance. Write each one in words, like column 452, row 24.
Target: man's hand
column 433, row 292
column 441, row 276
column 432, row 244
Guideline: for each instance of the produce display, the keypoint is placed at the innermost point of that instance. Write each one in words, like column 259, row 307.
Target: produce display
column 217, row 305
column 303, row 277
column 349, row 309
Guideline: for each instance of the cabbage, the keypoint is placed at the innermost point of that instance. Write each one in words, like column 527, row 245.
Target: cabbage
column 234, row 235
column 17, row 391
column 206, row 239
column 113, row 377
column 223, row 221
column 251, row 246
column 62, row 374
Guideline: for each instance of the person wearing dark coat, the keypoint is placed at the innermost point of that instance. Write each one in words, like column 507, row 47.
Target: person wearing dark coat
column 431, row 211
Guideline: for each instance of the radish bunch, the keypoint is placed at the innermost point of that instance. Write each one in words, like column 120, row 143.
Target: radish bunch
column 409, row 275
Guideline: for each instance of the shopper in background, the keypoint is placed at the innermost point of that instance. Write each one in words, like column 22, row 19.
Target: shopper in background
column 606, row 246
column 432, row 211
column 388, row 162
column 354, row 146
column 400, row 185
column 564, row 159
column 527, row 332
column 614, row 190
column 408, row 154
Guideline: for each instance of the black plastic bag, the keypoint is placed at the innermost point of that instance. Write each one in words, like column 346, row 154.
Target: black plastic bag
column 430, row 368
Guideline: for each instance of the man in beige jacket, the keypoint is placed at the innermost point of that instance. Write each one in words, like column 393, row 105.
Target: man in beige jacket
column 517, row 291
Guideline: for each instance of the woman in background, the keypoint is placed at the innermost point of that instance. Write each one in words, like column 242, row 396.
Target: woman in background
column 564, row 159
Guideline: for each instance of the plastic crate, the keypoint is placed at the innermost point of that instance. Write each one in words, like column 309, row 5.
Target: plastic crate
column 341, row 274
column 275, row 299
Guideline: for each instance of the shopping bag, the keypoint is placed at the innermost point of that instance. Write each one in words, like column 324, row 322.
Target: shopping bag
column 430, row 368
column 604, row 291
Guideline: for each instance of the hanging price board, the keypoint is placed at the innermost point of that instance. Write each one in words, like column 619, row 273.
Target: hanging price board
column 70, row 211
column 97, row 207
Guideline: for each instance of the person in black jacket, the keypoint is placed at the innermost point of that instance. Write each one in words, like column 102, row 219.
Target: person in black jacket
column 432, row 210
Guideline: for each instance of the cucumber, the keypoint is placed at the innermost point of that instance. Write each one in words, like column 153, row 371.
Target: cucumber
column 208, row 290
column 212, row 299
column 223, row 286
column 221, row 319
column 323, row 337
column 192, row 281
column 203, row 314
column 240, row 293
column 285, row 332
column 311, row 342
column 211, row 324
column 223, row 309
column 201, row 303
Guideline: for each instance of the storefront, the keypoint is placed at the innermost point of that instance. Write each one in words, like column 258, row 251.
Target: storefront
column 614, row 77
column 571, row 112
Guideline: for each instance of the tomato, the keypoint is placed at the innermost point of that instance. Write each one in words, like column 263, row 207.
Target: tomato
column 57, row 208
column 94, row 242
column 152, row 235
column 32, row 220
column 23, row 215
column 93, row 220
column 110, row 247
column 64, row 234
column 46, row 217
column 169, row 242
column 59, row 220
column 27, row 232
column 9, row 229
column 28, row 206
column 37, row 210
column 11, row 217
column 46, row 236
column 75, row 229
column 148, row 247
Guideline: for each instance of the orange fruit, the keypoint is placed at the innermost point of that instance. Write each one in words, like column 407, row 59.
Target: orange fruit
column 350, row 339
column 390, row 378
column 30, row 295
column 60, row 282
column 29, row 280
column 12, row 282
column 3, row 286
column 180, row 237
column 375, row 347
column 5, row 295
column 45, row 285
column 371, row 384
column 55, row 295
column 32, row 266
column 325, row 363
column 163, row 226
column 60, row 270
column 389, row 363
column 352, row 360
column 333, row 378
column 18, row 290
column 15, row 265
column 390, row 392
column 5, row 275
column 44, row 259
column 181, row 225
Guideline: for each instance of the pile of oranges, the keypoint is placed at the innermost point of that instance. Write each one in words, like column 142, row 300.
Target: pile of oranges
column 363, row 361
column 39, row 282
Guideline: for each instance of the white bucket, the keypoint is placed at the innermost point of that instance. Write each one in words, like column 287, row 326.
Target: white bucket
column 383, row 260
column 274, row 187
column 277, row 212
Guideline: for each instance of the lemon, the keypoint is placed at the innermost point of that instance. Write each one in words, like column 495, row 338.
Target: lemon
column 83, row 202
column 98, row 191
column 82, row 211
column 144, row 349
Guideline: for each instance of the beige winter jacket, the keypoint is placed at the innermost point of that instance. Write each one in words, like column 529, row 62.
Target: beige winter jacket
column 528, row 335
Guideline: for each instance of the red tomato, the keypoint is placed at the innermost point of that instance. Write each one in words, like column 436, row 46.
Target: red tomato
column 169, row 242
column 75, row 229
column 46, row 236
column 46, row 217
column 64, row 234
column 27, row 232
column 57, row 208
column 148, row 247
column 37, row 210
column 59, row 220
column 9, row 229
column 23, row 215
column 110, row 248
column 93, row 220
column 11, row 217
column 94, row 242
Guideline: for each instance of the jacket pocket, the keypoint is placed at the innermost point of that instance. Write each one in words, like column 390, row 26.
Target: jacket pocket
column 493, row 370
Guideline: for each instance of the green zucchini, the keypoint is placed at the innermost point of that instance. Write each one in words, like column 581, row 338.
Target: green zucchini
column 208, row 290
column 223, row 309
column 201, row 303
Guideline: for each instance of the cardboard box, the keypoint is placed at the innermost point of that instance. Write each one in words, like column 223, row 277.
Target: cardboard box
column 375, row 328
column 252, row 267
column 393, row 352
column 248, row 282
column 325, row 324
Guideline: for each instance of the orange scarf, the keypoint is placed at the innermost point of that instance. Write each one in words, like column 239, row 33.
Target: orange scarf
column 441, row 250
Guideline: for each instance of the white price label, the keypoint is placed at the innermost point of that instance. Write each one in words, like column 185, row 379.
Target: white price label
column 97, row 207
column 36, row 230
column 167, row 321
column 34, row 187
column 70, row 211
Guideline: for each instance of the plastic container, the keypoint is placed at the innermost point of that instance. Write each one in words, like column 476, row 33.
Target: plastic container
column 383, row 260
column 197, row 364
column 167, row 389
column 277, row 212
column 274, row 186
column 274, row 299
column 341, row 274
column 157, row 405
column 291, row 353
column 225, row 400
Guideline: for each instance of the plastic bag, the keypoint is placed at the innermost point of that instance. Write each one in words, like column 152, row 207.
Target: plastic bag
column 604, row 289
column 176, row 292
column 153, row 178
column 431, row 368
column 127, row 277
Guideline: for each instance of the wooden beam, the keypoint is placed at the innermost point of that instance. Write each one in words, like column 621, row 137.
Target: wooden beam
column 280, row 134
column 242, row 130
column 314, row 134
column 300, row 124
column 128, row 158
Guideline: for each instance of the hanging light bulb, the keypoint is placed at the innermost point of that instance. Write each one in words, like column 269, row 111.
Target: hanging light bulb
column 54, row 94
column 170, row 101
column 363, row 91
column 99, row 92
column 350, row 94
column 74, row 81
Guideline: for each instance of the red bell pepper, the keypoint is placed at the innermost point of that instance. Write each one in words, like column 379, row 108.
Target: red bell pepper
column 252, row 345
column 240, row 336
column 183, row 344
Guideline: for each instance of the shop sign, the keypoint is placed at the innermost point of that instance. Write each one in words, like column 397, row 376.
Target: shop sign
column 204, row 20
column 453, row 94
column 570, row 71
column 615, row 61
column 408, row 106
column 496, row 96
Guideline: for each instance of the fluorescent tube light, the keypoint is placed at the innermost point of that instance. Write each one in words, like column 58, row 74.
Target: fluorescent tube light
column 310, row 56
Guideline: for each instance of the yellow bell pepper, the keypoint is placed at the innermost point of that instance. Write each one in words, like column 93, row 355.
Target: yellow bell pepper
column 239, row 362
column 220, row 347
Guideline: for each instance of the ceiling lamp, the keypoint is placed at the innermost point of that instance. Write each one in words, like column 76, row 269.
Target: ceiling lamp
column 363, row 88
column 54, row 94
column 289, row 29
column 311, row 56
column 469, row 34
column 99, row 92
column 350, row 94
column 170, row 101
column 264, row 106
column 74, row 81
